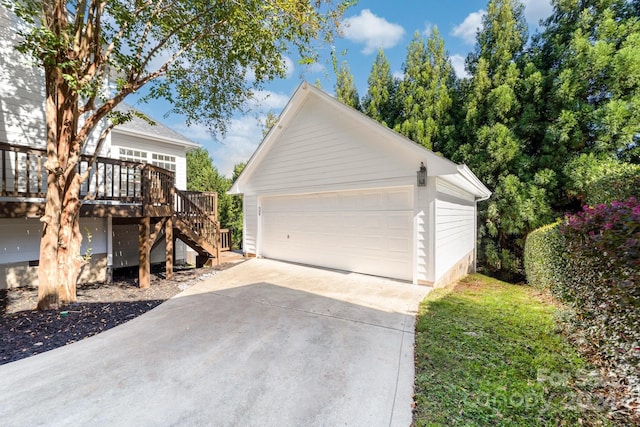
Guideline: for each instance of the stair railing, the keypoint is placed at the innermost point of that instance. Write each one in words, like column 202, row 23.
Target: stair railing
column 196, row 218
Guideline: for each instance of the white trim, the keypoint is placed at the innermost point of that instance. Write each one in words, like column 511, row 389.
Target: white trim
column 459, row 175
column 186, row 144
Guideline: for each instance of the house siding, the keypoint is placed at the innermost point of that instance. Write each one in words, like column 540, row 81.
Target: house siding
column 150, row 146
column 21, row 90
column 250, row 224
column 454, row 228
column 323, row 151
column 20, row 245
column 125, row 247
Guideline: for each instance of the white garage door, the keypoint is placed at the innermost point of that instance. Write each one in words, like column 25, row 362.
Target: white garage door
column 368, row 231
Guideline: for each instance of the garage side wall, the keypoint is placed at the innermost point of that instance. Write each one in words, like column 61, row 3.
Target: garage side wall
column 250, row 225
column 455, row 233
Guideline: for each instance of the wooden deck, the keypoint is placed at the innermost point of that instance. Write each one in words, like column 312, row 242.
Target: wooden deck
column 130, row 192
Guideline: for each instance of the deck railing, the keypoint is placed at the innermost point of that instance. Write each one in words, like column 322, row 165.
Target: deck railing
column 24, row 175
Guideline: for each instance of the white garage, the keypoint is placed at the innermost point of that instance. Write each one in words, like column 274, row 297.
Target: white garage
column 330, row 187
column 364, row 231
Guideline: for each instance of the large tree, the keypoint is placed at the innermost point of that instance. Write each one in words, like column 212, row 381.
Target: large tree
column 380, row 101
column 202, row 56
column 346, row 91
column 493, row 146
column 424, row 94
column 590, row 54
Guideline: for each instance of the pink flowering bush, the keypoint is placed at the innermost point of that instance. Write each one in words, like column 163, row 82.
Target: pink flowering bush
column 602, row 280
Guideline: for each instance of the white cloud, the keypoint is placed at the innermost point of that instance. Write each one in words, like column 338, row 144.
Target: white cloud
column 469, row 27
column 457, row 61
column 264, row 100
column 428, row 28
column 237, row 145
column 290, row 66
column 315, row 68
column 372, row 31
column 195, row 132
column 535, row 10
column 398, row 75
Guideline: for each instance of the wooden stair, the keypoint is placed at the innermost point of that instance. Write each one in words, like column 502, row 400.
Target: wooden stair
column 195, row 225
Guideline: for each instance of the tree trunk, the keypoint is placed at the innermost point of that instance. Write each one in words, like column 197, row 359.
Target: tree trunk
column 60, row 244
column 69, row 258
column 48, row 266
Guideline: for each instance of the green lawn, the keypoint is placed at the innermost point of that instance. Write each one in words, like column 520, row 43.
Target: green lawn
column 489, row 353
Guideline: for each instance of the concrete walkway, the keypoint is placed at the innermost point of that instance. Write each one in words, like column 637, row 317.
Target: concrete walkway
column 261, row 344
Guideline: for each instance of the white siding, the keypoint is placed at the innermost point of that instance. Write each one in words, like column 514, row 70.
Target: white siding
column 125, row 247
column 151, row 146
column 321, row 150
column 20, row 238
column 423, row 221
column 366, row 231
column 21, row 90
column 454, row 227
column 250, row 224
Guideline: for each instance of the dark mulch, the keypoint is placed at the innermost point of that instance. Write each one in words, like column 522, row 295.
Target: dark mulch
column 26, row 332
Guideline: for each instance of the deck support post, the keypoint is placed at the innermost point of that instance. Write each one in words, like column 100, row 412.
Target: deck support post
column 144, row 252
column 168, row 239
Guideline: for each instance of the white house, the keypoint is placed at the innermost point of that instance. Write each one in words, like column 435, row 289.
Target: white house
column 330, row 187
column 112, row 242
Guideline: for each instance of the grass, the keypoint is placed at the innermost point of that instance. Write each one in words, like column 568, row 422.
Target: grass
column 489, row 353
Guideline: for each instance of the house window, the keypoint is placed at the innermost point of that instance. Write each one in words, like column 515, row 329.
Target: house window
column 133, row 155
column 164, row 161
column 130, row 178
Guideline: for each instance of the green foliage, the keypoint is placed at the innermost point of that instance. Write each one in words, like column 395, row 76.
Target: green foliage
column 380, row 102
column 544, row 261
column 489, row 353
column 202, row 175
column 595, row 180
column 183, row 53
column 346, row 91
column 424, row 94
column 591, row 53
column 497, row 145
column 602, row 281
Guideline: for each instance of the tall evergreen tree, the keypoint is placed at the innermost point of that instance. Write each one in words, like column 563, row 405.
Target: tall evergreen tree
column 493, row 149
column 425, row 92
column 346, row 90
column 380, row 102
column 591, row 53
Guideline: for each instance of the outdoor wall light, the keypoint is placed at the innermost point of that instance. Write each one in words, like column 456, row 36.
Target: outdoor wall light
column 422, row 175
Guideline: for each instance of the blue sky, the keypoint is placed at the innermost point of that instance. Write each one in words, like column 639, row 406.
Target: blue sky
column 370, row 24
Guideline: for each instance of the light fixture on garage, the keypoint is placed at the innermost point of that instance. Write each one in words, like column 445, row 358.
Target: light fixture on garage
column 422, row 175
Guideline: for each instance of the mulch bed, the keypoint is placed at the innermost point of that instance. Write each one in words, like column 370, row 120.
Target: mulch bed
column 26, row 332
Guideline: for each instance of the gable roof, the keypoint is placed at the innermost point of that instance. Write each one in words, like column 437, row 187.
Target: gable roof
column 459, row 175
column 142, row 128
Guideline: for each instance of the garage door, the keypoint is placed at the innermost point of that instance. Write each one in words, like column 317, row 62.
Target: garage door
column 369, row 231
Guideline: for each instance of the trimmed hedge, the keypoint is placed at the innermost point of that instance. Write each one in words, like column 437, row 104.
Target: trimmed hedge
column 619, row 184
column 603, row 281
column 591, row 261
column 543, row 257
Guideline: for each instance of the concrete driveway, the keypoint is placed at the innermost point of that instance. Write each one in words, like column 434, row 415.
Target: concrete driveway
column 264, row 343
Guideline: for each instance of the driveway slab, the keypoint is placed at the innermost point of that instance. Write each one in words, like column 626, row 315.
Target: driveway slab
column 264, row 343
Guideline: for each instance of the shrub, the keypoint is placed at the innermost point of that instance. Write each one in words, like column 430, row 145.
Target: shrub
column 543, row 257
column 620, row 184
column 595, row 180
column 602, row 279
